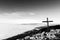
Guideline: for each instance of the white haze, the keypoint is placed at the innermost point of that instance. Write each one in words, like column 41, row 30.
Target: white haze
column 9, row 30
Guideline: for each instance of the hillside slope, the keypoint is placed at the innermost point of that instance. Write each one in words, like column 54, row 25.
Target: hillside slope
column 33, row 32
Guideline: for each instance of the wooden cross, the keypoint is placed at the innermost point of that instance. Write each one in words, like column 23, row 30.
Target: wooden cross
column 47, row 22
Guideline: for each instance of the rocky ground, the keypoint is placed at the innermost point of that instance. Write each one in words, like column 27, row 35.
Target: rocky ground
column 50, row 33
column 45, row 33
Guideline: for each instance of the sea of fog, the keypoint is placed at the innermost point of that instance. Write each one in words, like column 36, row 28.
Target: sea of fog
column 9, row 30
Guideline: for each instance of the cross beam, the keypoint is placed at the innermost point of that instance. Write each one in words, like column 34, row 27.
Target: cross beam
column 47, row 22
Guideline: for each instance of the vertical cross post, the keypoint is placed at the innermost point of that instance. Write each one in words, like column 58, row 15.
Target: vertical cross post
column 47, row 22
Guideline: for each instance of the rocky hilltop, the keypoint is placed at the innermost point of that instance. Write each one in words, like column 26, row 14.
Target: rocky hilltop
column 39, row 33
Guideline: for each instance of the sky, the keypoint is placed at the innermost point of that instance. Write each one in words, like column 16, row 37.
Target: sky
column 15, row 12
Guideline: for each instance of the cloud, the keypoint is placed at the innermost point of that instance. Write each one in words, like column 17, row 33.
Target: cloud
column 18, row 15
column 12, row 15
column 32, row 14
column 17, row 18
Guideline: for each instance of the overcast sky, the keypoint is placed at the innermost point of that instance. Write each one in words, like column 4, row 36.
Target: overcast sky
column 36, row 10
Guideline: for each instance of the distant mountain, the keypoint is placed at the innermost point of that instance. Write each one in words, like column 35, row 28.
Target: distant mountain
column 32, row 24
column 34, row 31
